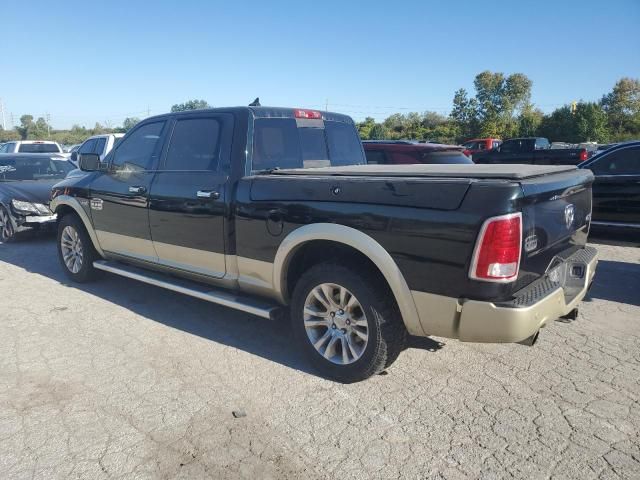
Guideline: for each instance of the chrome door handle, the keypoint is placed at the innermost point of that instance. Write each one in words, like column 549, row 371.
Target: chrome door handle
column 207, row 194
column 137, row 189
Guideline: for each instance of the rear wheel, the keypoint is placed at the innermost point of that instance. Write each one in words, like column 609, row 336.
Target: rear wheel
column 75, row 249
column 347, row 324
column 6, row 226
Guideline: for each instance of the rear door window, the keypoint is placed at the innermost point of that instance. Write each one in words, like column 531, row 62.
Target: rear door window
column 99, row 146
column 444, row 157
column 622, row 162
column 194, row 145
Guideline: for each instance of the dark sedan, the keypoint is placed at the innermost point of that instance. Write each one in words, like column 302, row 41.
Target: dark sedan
column 25, row 189
column 616, row 191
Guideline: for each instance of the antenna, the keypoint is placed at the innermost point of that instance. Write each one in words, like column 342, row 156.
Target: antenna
column 255, row 103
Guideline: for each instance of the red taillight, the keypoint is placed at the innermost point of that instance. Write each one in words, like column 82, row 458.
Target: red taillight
column 496, row 257
column 300, row 113
column 583, row 154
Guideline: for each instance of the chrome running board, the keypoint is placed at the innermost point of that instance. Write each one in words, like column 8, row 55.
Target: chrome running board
column 247, row 304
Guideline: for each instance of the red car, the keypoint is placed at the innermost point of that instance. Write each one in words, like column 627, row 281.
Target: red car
column 477, row 145
column 398, row 152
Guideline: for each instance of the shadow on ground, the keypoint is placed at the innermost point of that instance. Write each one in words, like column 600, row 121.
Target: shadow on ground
column 617, row 282
column 270, row 340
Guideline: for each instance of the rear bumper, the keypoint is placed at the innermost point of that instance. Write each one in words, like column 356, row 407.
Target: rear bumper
column 545, row 300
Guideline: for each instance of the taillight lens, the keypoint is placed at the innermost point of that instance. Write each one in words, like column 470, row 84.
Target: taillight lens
column 496, row 257
column 583, row 154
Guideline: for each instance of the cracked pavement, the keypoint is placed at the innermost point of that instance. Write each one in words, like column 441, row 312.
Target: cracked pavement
column 117, row 379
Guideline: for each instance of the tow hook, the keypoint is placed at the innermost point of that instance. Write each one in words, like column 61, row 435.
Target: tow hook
column 530, row 341
column 571, row 316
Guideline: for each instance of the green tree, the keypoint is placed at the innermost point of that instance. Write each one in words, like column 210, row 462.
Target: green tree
column 26, row 126
column 129, row 123
column 378, row 132
column 364, row 128
column 464, row 114
column 190, row 105
column 622, row 106
column 40, row 129
column 529, row 121
column 591, row 123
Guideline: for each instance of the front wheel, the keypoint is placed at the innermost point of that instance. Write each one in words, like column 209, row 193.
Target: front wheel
column 346, row 322
column 75, row 249
column 6, row 226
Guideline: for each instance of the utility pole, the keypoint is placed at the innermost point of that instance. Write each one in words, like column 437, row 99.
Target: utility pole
column 326, row 105
column 48, row 117
column 4, row 123
column 148, row 111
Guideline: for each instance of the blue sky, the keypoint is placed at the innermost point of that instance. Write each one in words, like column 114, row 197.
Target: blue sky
column 85, row 62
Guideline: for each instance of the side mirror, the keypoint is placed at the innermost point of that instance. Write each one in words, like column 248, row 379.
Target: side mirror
column 89, row 162
column 74, row 156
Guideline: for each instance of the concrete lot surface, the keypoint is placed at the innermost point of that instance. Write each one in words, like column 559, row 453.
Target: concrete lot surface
column 121, row 380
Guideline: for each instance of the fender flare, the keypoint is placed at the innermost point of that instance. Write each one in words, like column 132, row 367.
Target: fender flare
column 359, row 241
column 74, row 204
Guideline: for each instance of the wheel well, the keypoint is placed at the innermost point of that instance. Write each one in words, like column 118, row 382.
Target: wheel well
column 63, row 210
column 319, row 251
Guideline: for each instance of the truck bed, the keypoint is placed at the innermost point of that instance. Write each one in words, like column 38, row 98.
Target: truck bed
column 488, row 171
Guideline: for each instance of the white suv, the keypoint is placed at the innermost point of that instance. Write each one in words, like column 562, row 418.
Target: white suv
column 100, row 144
column 31, row 146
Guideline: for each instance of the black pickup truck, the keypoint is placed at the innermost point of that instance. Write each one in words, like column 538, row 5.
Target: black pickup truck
column 269, row 210
column 535, row 150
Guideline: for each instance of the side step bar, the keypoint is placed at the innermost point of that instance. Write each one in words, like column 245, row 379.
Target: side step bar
column 247, row 304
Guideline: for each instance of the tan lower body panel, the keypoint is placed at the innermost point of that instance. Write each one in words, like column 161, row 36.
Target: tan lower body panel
column 202, row 262
column 476, row 321
column 141, row 248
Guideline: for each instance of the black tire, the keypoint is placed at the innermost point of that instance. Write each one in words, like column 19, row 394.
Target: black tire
column 386, row 331
column 7, row 232
column 85, row 272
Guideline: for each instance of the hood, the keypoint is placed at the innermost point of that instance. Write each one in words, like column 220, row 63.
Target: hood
column 35, row 191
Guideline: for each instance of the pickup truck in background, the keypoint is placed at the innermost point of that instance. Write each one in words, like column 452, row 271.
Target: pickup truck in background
column 535, row 150
column 98, row 144
column 32, row 146
column 477, row 145
column 273, row 210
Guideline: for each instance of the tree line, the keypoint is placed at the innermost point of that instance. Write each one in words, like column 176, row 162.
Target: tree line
column 501, row 107
column 39, row 129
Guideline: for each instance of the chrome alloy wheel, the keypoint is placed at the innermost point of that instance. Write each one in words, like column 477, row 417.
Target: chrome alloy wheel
column 71, row 248
column 6, row 227
column 335, row 323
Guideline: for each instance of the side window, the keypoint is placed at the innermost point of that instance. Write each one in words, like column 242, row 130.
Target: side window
column 135, row 152
column 495, row 144
column 622, row 162
column 3, row 148
column 99, row 145
column 87, row 146
column 375, row 157
column 510, row 147
column 194, row 145
column 401, row 158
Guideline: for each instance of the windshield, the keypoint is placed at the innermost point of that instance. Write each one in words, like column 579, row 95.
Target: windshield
column 281, row 143
column 444, row 157
column 33, row 169
column 38, row 148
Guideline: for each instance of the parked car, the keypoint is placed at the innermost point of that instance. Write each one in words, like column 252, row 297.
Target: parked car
column 616, row 190
column 31, row 146
column 25, row 187
column 98, row 144
column 477, row 145
column 533, row 150
column 257, row 208
column 399, row 152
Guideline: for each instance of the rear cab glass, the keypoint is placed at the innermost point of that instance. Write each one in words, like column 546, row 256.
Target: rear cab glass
column 38, row 148
column 286, row 143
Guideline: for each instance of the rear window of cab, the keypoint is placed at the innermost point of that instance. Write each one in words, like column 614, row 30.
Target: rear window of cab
column 282, row 143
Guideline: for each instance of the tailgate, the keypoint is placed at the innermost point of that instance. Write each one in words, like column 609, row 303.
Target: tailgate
column 556, row 212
